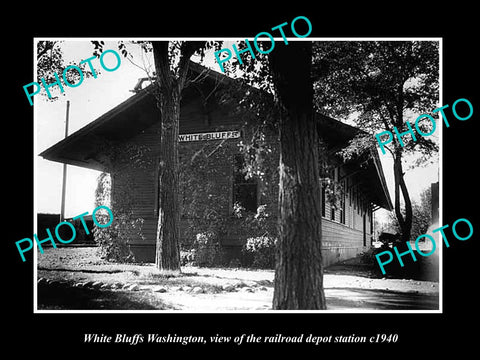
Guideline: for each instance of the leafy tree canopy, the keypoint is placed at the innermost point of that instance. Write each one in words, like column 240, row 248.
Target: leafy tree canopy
column 51, row 60
column 379, row 82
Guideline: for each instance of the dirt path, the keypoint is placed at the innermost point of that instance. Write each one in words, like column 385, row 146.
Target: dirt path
column 78, row 279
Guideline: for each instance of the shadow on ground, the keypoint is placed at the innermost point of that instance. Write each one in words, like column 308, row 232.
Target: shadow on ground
column 374, row 299
column 424, row 268
column 64, row 296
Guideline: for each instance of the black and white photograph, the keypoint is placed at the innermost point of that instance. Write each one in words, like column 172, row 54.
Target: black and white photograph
column 235, row 203
column 186, row 183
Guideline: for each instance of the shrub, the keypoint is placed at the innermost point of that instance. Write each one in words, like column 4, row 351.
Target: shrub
column 187, row 257
column 207, row 250
column 261, row 250
column 234, row 263
column 112, row 241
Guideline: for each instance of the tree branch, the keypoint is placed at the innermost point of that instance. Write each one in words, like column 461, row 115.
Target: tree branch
column 160, row 55
column 187, row 49
column 48, row 46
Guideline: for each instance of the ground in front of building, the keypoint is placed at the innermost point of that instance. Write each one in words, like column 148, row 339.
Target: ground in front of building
column 77, row 279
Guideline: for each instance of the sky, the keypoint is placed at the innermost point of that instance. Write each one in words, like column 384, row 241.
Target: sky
column 88, row 101
column 92, row 99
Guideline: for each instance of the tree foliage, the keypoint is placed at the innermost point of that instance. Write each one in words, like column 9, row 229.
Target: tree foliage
column 381, row 84
column 422, row 215
column 51, row 60
column 113, row 241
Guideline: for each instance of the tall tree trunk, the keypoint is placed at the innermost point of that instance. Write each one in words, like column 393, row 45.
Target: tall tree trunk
column 170, row 85
column 299, row 270
column 167, row 254
column 404, row 221
column 168, row 236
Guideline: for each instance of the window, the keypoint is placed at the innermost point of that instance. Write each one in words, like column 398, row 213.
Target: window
column 333, row 204
column 354, row 196
column 342, row 203
column 244, row 190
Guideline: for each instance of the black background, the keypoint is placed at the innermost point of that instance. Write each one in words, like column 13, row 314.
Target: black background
column 419, row 334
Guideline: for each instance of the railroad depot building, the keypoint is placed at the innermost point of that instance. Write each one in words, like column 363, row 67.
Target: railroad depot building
column 124, row 142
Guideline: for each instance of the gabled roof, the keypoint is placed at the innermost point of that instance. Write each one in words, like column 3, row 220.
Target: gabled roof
column 82, row 147
column 85, row 147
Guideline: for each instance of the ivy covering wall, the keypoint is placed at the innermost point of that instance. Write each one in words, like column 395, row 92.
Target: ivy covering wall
column 212, row 222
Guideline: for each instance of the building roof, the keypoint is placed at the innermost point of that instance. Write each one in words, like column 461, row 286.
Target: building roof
column 86, row 147
column 365, row 169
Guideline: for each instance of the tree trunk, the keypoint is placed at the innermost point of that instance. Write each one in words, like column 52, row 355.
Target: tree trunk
column 405, row 222
column 168, row 236
column 298, row 271
column 167, row 254
column 170, row 85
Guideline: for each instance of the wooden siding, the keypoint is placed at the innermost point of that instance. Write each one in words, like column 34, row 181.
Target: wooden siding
column 339, row 242
column 135, row 183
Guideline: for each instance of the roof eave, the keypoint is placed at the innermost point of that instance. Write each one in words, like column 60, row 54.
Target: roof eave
column 379, row 168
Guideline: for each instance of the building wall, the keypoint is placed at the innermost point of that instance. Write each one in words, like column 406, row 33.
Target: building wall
column 340, row 240
column 133, row 182
column 134, row 171
column 346, row 224
column 134, row 177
